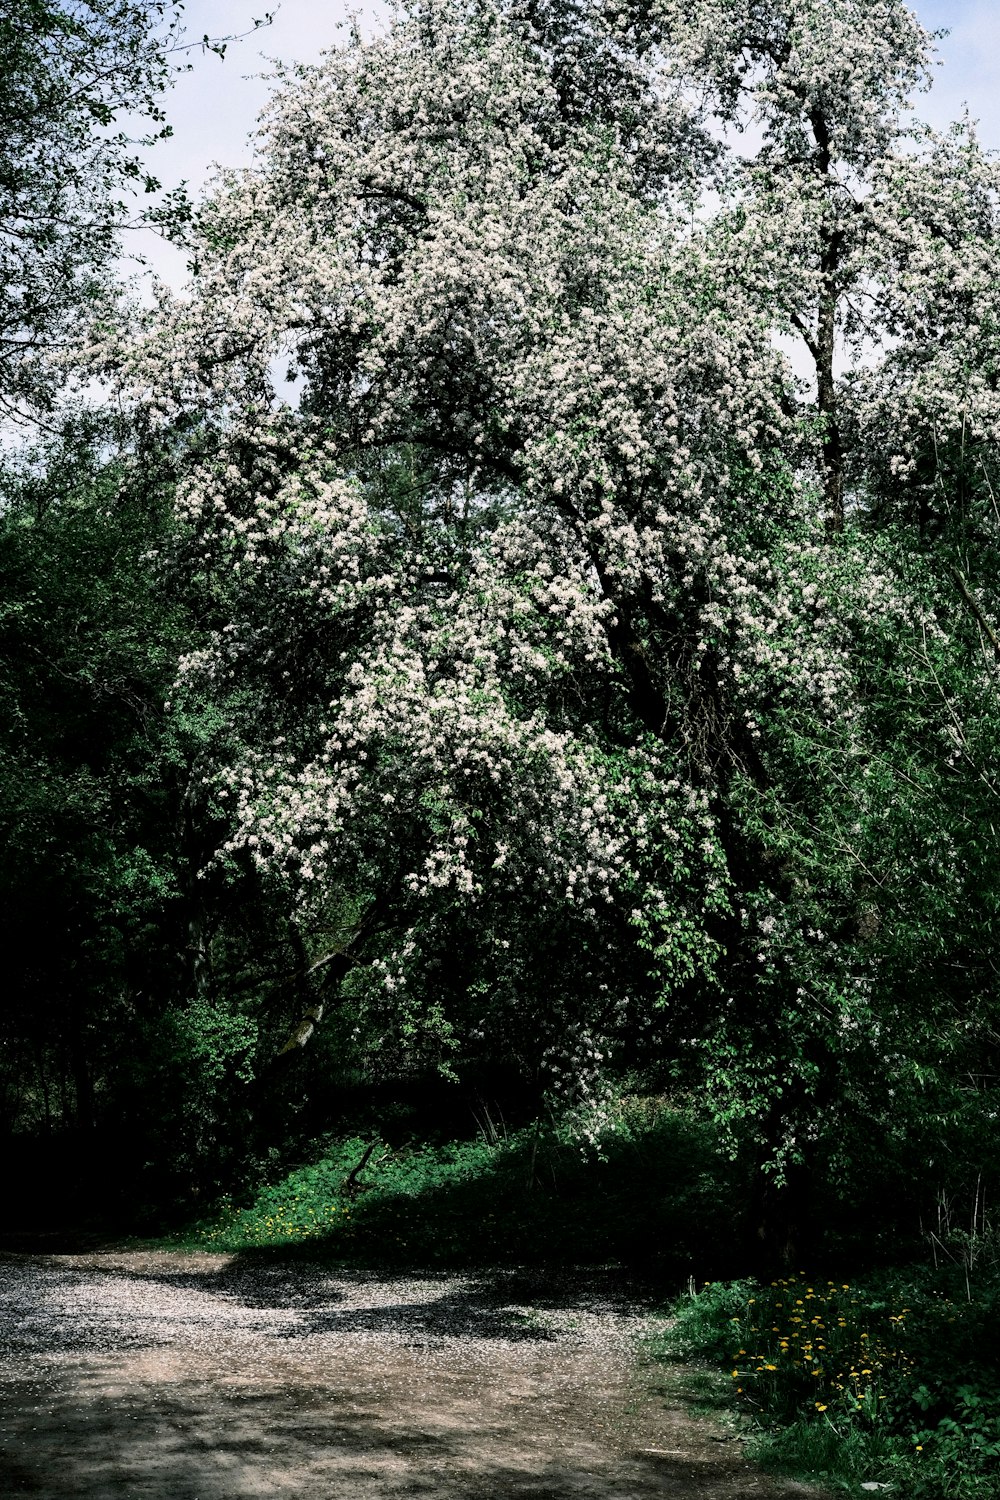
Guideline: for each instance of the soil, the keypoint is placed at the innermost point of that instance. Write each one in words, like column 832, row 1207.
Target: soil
column 167, row 1376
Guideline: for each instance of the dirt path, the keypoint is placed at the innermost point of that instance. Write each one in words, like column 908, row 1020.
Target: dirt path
column 181, row 1377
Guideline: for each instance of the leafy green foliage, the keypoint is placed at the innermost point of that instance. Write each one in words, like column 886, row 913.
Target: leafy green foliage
column 71, row 72
column 119, row 955
column 656, row 1196
column 86, row 869
column 893, row 1378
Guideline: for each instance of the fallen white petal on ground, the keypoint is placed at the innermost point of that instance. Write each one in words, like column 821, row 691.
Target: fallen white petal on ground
column 166, row 1376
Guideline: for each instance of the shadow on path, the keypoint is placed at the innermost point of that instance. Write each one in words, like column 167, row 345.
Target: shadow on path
column 57, row 1304
column 197, row 1442
column 149, row 1376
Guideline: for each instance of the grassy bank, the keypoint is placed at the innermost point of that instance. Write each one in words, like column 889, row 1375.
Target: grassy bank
column 893, row 1379
column 656, row 1196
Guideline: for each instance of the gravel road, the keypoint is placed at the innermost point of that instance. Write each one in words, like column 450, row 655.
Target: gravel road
column 165, row 1376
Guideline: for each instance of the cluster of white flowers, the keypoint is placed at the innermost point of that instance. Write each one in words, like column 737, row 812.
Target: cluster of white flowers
column 543, row 548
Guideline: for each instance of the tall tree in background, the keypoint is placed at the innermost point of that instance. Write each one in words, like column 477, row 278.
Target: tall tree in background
column 827, row 87
column 101, row 912
column 561, row 681
column 74, row 76
column 79, row 682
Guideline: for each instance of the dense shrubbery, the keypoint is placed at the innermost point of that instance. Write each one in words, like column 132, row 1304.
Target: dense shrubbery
column 657, row 1196
column 894, row 1377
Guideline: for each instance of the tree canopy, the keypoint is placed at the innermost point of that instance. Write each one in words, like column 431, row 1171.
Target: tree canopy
column 75, row 76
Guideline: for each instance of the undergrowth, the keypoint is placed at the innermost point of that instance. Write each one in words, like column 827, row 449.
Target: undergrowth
column 657, row 1194
column 894, row 1380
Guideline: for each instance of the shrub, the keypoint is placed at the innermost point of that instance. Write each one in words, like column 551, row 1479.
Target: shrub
column 894, row 1379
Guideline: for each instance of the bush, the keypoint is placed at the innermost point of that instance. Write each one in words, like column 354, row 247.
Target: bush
column 895, row 1379
column 656, row 1195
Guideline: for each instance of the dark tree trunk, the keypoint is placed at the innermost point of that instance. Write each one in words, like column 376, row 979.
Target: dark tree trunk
column 780, row 1229
column 83, row 1084
column 828, row 405
column 823, row 347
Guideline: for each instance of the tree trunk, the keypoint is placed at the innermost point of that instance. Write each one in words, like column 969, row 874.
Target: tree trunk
column 780, row 1234
column 823, row 349
column 827, row 403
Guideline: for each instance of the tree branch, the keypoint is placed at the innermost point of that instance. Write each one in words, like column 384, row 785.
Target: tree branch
column 961, row 583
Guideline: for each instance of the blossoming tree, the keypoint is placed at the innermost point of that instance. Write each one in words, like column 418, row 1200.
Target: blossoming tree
column 536, row 619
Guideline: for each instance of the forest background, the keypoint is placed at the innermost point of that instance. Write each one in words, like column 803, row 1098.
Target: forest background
column 499, row 665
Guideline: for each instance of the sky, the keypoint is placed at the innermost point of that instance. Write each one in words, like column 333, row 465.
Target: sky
column 970, row 63
column 213, row 107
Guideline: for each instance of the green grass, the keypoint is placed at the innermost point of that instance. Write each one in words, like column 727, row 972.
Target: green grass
column 658, row 1196
column 840, row 1459
column 892, row 1380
